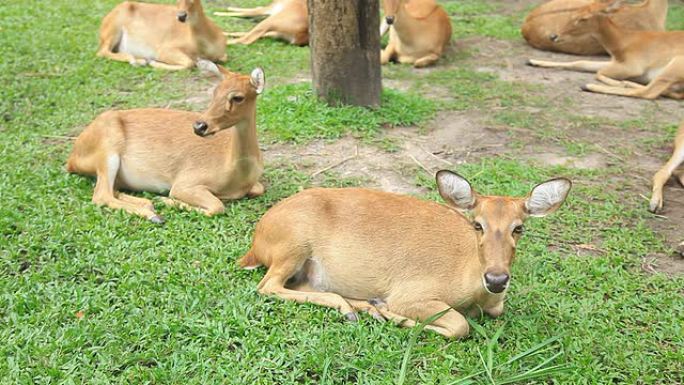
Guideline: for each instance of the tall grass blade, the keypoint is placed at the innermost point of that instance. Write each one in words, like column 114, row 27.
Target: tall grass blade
column 412, row 342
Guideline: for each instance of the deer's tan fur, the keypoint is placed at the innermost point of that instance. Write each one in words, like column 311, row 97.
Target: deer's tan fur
column 662, row 176
column 420, row 31
column 544, row 24
column 142, row 33
column 285, row 19
column 643, row 64
column 395, row 256
column 156, row 150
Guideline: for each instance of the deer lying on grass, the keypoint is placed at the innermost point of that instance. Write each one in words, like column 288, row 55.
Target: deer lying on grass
column 182, row 152
column 652, row 58
column 397, row 257
column 661, row 177
column 543, row 26
column 285, row 19
column 419, row 32
column 163, row 36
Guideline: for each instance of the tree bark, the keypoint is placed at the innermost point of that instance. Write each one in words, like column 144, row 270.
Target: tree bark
column 345, row 51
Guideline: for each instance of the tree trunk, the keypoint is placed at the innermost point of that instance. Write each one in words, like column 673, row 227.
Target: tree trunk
column 345, row 51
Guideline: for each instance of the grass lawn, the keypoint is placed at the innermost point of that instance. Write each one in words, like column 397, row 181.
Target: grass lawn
column 91, row 295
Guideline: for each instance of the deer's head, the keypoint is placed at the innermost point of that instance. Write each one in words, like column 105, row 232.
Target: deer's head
column 234, row 99
column 413, row 8
column 498, row 221
column 188, row 10
column 587, row 19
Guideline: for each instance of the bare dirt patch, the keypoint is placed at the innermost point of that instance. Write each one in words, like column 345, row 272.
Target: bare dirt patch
column 452, row 138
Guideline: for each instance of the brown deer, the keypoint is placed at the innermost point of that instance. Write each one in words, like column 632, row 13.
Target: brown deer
column 397, row 257
column 163, row 36
column 661, row 177
column 285, row 19
column 420, row 31
column 185, row 153
column 544, row 24
column 653, row 61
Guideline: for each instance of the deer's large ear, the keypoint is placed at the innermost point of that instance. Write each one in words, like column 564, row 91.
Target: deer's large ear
column 258, row 80
column 209, row 67
column 456, row 190
column 420, row 9
column 547, row 197
column 613, row 6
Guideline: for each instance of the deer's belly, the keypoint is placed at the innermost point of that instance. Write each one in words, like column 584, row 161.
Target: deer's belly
column 131, row 177
column 135, row 46
column 649, row 75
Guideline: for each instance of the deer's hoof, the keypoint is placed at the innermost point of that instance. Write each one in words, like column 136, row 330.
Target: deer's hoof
column 157, row 220
column 654, row 206
column 351, row 317
column 377, row 316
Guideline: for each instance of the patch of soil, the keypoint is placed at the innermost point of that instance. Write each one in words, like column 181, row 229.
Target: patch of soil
column 455, row 138
column 663, row 263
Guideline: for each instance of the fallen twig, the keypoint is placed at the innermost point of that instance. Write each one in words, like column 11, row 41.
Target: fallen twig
column 59, row 137
column 428, row 171
column 356, row 154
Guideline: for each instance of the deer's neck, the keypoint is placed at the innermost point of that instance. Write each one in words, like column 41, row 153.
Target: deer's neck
column 610, row 37
column 657, row 7
column 244, row 143
column 202, row 26
column 210, row 40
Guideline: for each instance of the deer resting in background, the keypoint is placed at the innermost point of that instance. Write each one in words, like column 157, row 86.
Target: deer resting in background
column 285, row 19
column 643, row 64
column 420, row 31
column 163, row 36
column 397, row 257
column 200, row 159
column 661, row 177
column 542, row 27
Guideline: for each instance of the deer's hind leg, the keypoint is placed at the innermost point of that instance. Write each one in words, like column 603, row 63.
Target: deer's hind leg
column 580, row 65
column 661, row 177
column 286, row 261
column 262, row 29
column 245, row 12
column 98, row 152
column 661, row 85
column 359, row 306
column 110, row 38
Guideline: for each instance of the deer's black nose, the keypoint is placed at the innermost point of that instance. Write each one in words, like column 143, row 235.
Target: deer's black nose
column 496, row 282
column 389, row 20
column 200, row 127
column 182, row 16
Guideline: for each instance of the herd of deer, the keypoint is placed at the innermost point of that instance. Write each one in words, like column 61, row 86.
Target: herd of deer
column 396, row 257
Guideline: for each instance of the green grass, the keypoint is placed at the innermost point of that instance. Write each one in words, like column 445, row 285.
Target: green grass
column 478, row 18
column 675, row 16
column 293, row 113
column 91, row 295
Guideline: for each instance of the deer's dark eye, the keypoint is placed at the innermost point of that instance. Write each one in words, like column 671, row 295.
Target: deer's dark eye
column 237, row 99
column 477, row 226
column 518, row 229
